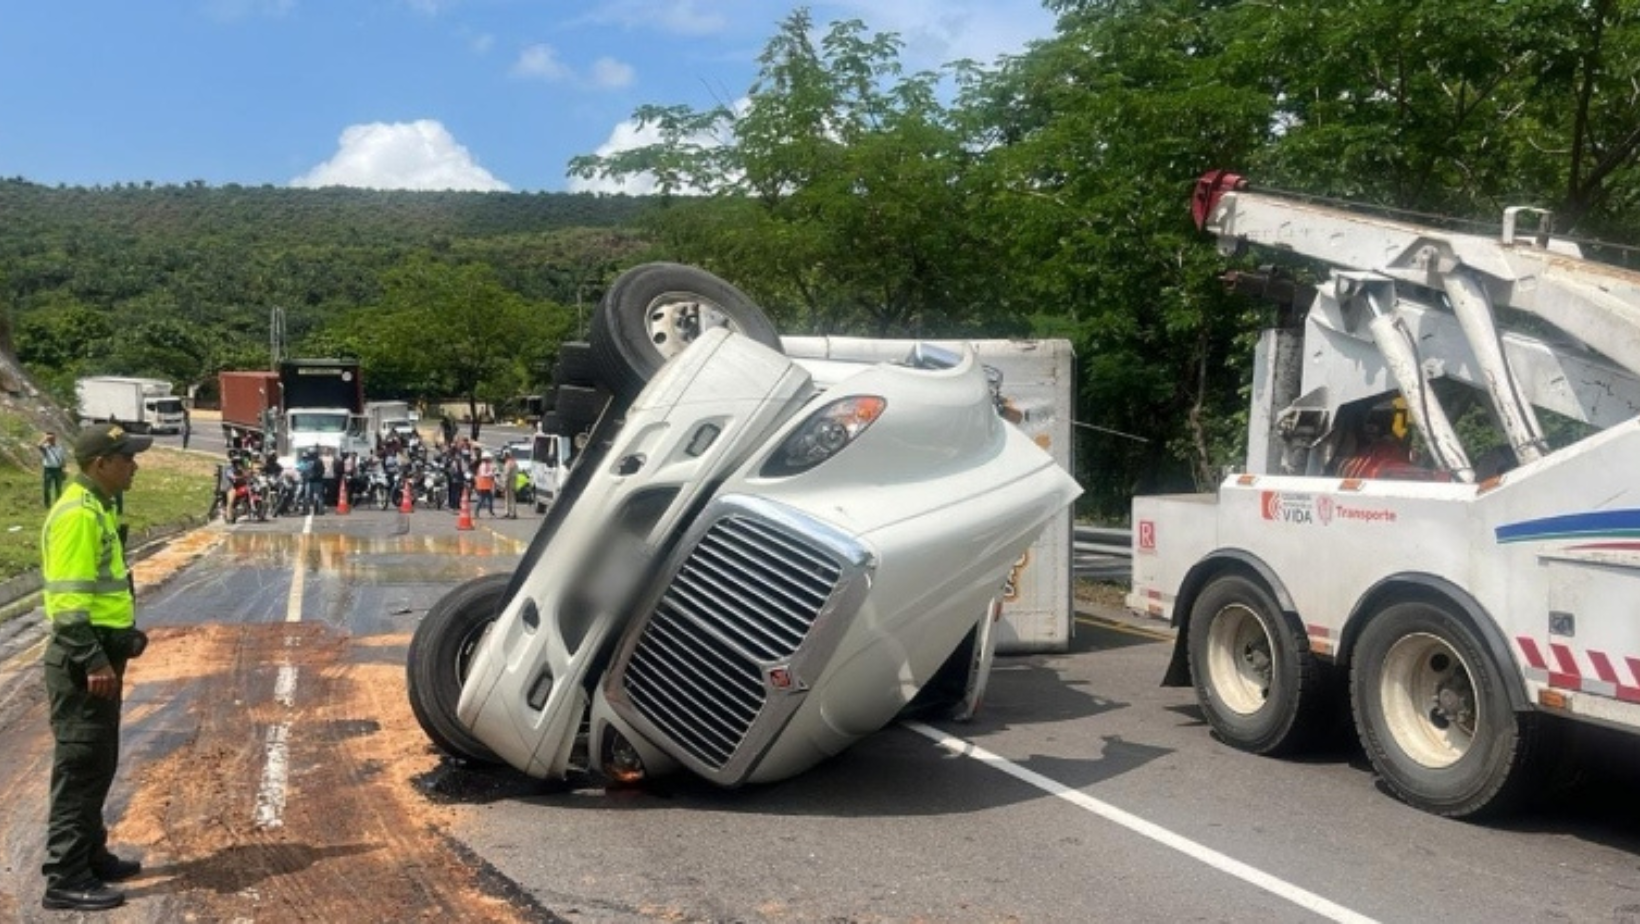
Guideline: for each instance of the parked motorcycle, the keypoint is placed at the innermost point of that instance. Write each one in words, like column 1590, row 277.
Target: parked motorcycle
column 745, row 571
column 378, row 490
column 428, row 487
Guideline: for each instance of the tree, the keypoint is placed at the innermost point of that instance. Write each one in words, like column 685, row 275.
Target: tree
column 454, row 330
column 835, row 196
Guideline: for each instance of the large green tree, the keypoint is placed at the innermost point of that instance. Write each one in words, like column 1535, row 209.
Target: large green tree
column 835, row 194
column 451, row 329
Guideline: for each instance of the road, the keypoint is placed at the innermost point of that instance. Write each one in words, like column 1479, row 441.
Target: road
column 273, row 773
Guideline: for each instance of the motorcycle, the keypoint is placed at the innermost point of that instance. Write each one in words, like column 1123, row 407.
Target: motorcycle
column 247, row 498
column 754, row 562
column 428, row 487
column 378, row 489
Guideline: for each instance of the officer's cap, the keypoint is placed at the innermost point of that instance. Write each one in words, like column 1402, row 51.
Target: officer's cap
column 107, row 440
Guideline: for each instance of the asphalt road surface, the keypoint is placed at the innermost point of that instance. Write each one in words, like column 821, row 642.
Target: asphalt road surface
column 273, row 773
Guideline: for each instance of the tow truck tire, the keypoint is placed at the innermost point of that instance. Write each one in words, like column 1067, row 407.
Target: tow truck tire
column 1434, row 716
column 654, row 310
column 1256, row 681
column 441, row 650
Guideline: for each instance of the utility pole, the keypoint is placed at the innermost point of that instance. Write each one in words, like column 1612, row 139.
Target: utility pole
column 276, row 337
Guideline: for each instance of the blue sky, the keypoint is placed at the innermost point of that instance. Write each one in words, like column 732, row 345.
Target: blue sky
column 429, row 94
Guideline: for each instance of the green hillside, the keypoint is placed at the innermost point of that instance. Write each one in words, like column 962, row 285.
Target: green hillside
column 179, row 282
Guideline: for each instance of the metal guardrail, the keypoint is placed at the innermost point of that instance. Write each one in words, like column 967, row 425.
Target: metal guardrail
column 1103, row 553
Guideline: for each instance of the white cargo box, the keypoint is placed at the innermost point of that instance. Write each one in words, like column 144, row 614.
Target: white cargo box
column 1038, row 378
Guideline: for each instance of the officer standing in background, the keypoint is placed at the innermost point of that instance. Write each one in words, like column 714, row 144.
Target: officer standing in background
column 52, row 459
column 89, row 602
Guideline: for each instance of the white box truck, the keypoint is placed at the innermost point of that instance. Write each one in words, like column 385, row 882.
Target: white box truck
column 389, row 418
column 140, row 405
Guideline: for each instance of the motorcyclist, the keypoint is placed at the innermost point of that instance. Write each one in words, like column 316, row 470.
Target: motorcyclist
column 313, row 484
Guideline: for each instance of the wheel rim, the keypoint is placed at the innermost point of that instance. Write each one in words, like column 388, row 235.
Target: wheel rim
column 1239, row 660
column 677, row 319
column 1428, row 697
column 470, row 641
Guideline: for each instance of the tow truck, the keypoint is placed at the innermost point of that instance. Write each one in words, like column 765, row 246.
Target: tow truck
column 1467, row 590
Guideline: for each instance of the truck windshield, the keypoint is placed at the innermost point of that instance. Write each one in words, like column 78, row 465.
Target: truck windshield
column 166, row 406
column 319, row 423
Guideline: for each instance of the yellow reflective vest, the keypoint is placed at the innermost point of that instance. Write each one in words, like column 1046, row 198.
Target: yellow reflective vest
column 83, row 566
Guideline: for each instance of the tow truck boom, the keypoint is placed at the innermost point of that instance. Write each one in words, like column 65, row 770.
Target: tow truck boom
column 1470, row 599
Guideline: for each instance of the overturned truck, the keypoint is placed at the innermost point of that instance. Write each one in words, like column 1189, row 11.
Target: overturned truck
column 753, row 562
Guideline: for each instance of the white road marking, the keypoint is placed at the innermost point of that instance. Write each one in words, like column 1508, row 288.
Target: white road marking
column 270, row 795
column 284, row 688
column 1225, row 864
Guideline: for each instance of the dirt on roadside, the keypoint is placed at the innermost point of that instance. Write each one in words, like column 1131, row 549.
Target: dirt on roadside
column 340, row 832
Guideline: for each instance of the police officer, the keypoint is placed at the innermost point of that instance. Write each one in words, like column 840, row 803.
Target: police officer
column 88, row 599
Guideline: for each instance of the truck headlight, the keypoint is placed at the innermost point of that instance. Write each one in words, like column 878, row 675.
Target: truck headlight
column 824, row 434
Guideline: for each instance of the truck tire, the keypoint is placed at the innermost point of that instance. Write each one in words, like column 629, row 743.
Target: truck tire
column 579, row 407
column 1434, row 716
column 575, row 365
column 655, row 310
column 1256, row 680
column 440, row 653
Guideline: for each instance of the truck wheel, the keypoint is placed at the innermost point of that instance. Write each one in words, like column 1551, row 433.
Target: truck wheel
column 579, row 407
column 956, row 689
column 1256, row 680
column 1434, row 716
column 655, row 310
column 575, row 366
column 440, row 653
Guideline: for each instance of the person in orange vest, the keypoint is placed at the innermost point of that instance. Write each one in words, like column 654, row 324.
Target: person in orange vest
column 484, row 484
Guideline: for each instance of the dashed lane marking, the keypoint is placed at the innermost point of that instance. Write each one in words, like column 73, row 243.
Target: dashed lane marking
column 270, row 794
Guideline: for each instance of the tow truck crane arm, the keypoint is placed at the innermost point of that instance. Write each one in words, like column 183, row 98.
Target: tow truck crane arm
column 1426, row 301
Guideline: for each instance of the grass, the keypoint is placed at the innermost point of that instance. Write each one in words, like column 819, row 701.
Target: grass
column 171, row 487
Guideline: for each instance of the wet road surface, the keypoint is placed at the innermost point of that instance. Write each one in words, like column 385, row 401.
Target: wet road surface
column 273, row 772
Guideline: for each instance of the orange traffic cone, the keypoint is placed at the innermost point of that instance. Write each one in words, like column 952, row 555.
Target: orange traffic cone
column 406, row 506
column 342, row 506
column 465, row 521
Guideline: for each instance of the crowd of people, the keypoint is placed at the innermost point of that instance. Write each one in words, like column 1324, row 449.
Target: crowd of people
column 400, row 470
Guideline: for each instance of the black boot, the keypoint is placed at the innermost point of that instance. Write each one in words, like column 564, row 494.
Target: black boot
column 85, row 895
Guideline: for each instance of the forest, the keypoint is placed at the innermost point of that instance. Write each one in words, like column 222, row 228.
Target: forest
column 1041, row 195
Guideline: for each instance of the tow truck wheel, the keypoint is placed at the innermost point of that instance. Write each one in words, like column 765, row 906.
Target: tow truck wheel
column 1256, row 680
column 1434, row 717
column 441, row 651
column 655, row 310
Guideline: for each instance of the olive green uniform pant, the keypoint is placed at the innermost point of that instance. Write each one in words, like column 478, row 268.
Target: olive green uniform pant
column 87, row 753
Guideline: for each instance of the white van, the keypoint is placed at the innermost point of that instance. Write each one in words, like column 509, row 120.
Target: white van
column 550, row 456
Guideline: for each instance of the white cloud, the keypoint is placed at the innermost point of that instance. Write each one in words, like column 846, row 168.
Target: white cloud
column 401, row 155
column 481, row 43
column 680, row 17
column 610, row 73
column 541, row 62
column 938, row 32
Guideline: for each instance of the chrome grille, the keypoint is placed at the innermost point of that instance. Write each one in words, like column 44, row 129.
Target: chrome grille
column 746, row 596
